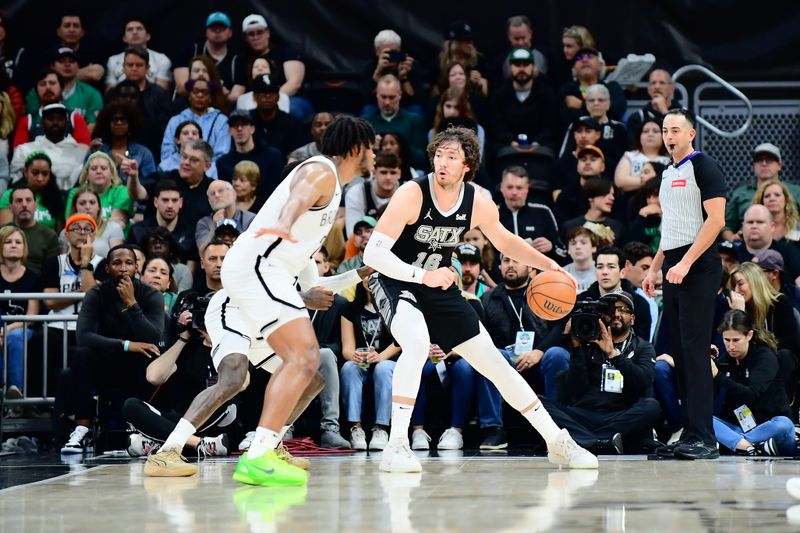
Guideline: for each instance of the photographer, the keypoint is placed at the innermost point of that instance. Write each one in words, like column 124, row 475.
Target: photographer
column 391, row 59
column 181, row 372
column 608, row 382
column 119, row 326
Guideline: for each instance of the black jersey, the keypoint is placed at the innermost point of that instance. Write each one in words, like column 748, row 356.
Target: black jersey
column 429, row 242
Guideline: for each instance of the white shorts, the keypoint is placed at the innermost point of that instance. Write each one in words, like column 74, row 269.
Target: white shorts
column 241, row 317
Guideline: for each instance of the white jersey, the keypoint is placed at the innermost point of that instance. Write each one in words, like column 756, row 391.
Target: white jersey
column 310, row 230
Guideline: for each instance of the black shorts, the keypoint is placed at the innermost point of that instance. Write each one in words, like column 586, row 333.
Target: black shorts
column 450, row 319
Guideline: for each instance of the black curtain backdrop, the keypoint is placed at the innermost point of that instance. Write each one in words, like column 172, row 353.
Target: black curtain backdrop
column 740, row 40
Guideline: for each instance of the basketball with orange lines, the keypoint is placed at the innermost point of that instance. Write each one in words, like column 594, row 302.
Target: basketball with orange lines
column 551, row 295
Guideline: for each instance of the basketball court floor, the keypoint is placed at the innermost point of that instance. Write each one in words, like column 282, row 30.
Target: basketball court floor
column 463, row 491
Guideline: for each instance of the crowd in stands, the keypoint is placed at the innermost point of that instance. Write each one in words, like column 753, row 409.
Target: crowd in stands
column 127, row 177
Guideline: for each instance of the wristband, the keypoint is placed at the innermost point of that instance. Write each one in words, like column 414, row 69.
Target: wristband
column 126, row 345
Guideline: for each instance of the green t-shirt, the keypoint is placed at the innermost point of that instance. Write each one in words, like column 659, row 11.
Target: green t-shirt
column 84, row 99
column 114, row 198
column 42, row 215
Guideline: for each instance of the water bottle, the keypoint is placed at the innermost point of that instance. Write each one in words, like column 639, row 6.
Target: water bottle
column 522, row 140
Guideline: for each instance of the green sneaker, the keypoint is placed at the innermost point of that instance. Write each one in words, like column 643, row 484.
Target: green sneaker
column 260, row 505
column 270, row 471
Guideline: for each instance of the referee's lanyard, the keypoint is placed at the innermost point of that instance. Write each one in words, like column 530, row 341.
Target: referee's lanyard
column 518, row 314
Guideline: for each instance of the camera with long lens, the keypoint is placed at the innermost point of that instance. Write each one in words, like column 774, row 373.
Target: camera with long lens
column 585, row 316
column 196, row 305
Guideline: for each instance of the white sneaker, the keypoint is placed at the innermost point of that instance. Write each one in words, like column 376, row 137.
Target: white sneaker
column 78, row 441
column 213, row 446
column 247, row 441
column 358, row 439
column 420, row 440
column 565, row 452
column 141, row 446
column 451, row 439
column 379, row 439
column 398, row 457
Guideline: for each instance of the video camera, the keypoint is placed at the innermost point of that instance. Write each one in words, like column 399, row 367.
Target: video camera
column 585, row 316
column 197, row 305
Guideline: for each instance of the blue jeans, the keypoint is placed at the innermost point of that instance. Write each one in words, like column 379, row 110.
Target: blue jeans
column 16, row 364
column 353, row 377
column 490, row 402
column 462, row 391
column 780, row 428
column 666, row 392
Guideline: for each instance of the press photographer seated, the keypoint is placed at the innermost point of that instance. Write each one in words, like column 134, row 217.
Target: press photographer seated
column 120, row 324
column 183, row 371
column 607, row 406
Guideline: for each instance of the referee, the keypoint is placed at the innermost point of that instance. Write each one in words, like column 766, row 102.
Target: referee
column 692, row 197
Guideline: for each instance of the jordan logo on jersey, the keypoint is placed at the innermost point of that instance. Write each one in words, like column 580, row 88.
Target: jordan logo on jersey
column 438, row 237
column 428, row 215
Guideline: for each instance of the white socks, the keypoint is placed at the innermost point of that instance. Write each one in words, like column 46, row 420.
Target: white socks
column 401, row 418
column 177, row 439
column 541, row 421
column 264, row 441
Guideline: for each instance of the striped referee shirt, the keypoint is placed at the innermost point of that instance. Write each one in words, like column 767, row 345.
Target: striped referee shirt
column 684, row 187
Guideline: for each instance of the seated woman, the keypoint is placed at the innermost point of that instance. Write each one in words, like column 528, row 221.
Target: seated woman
column 38, row 176
column 99, row 174
column 396, row 144
column 649, row 147
column 775, row 195
column 157, row 272
column 258, row 67
column 186, row 131
column 108, row 233
column 644, row 212
column 116, row 124
column 160, row 242
column 455, row 103
column 754, row 419
column 246, row 176
column 369, row 353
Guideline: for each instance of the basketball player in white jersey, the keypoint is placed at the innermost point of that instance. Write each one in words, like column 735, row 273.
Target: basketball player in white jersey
column 259, row 312
column 411, row 248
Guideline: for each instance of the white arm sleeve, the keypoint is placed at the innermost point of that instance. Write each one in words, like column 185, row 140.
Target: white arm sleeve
column 309, row 278
column 379, row 256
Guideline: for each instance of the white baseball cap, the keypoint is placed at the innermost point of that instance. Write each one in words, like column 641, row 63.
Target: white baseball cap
column 254, row 21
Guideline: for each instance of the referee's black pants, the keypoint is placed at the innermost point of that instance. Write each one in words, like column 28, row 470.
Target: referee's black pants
column 689, row 307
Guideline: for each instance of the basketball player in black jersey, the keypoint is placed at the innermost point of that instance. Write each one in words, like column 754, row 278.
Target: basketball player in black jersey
column 411, row 248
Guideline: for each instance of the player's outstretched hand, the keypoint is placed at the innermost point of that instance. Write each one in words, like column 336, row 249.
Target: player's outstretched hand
column 278, row 233
column 441, row 277
column 317, row 299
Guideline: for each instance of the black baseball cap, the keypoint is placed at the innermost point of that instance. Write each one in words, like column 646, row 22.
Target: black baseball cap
column 624, row 297
column 586, row 120
column 459, row 31
column 239, row 115
column 468, row 252
column 265, row 84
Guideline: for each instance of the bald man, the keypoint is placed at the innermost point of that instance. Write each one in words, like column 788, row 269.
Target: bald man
column 222, row 199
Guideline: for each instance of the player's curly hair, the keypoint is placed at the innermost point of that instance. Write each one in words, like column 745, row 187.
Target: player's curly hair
column 345, row 135
column 467, row 139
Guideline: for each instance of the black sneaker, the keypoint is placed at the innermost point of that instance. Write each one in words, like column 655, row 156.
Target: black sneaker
column 768, row 448
column 668, row 450
column 612, row 446
column 495, row 439
column 696, row 450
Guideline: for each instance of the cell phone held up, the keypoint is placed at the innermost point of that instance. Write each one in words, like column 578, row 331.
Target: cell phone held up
column 396, row 56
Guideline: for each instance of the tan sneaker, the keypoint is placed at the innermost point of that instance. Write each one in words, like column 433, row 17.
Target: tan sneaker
column 168, row 463
column 299, row 462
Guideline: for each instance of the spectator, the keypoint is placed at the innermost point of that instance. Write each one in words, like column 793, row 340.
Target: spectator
column 771, row 262
column 15, row 277
column 15, row 60
column 109, row 232
column 62, row 149
column 766, row 305
column 638, row 258
column 782, row 205
column 246, row 178
column 168, row 203
column 729, row 256
column 258, row 67
column 469, row 257
column 117, row 125
column 458, row 78
column 99, row 174
column 42, row 241
column 757, row 233
column 362, row 231
column 153, row 101
column 49, row 90
column 244, row 147
column 8, row 119
column 362, row 327
column 573, row 39
column 160, row 242
column 212, row 122
column 188, row 130
column 645, row 226
column 519, row 33
column 567, row 176
column 749, row 375
column 390, row 58
column 157, row 272
column 222, row 199
column 581, row 247
column 662, row 92
column 588, row 68
column 649, row 147
column 291, row 70
column 599, row 192
column 476, row 238
column 459, row 47
column 370, row 197
column 767, row 165
column 203, row 68
column 120, row 325
column 454, row 103
column 319, row 123
column 135, row 34
column 607, row 405
column 390, row 117
column 38, row 177
column 230, row 65
column 70, row 33
column 273, row 126
column 524, row 106
column 395, row 143
column 533, row 222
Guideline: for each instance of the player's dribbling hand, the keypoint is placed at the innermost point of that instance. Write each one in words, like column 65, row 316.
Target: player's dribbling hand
column 278, row 233
column 441, row 278
column 556, row 267
column 317, row 299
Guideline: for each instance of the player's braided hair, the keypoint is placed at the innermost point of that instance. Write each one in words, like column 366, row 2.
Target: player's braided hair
column 345, row 135
column 467, row 139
